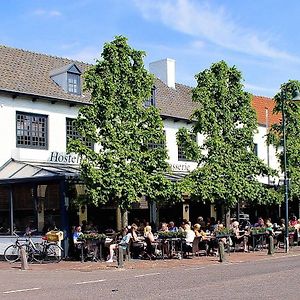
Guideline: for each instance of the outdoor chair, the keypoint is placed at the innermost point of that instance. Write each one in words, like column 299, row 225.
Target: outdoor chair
column 195, row 246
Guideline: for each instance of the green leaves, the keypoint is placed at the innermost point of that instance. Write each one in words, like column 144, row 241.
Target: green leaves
column 228, row 170
column 283, row 100
column 122, row 167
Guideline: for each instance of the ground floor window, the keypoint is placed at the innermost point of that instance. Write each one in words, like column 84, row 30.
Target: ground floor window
column 29, row 207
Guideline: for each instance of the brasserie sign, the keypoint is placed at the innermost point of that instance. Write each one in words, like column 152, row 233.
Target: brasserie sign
column 180, row 167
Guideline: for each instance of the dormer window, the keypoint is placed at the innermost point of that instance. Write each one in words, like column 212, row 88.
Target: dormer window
column 68, row 78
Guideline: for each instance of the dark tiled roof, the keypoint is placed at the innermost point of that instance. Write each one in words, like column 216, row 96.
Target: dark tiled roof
column 176, row 103
column 29, row 73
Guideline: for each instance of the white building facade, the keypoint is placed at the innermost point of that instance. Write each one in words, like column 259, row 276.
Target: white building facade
column 39, row 97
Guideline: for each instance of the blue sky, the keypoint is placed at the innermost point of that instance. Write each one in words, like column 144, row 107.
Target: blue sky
column 261, row 38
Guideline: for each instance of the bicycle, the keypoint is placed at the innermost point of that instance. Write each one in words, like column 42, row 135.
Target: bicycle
column 47, row 250
column 12, row 252
column 35, row 251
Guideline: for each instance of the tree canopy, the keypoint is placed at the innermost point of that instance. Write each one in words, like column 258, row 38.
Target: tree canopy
column 123, row 165
column 228, row 169
column 283, row 99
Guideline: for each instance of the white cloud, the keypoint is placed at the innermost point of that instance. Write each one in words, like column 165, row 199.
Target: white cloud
column 47, row 13
column 70, row 45
column 257, row 90
column 198, row 44
column 200, row 20
column 54, row 13
column 87, row 55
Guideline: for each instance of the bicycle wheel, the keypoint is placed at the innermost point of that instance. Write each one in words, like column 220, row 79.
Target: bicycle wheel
column 54, row 252
column 12, row 253
column 38, row 252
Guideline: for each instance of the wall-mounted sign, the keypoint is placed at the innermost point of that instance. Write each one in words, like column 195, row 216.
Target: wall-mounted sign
column 61, row 157
column 180, row 167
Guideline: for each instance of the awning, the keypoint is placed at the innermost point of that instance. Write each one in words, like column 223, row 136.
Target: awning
column 14, row 171
column 176, row 176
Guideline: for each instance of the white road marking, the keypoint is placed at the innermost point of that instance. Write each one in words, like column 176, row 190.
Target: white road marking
column 19, row 291
column 195, row 268
column 92, row 281
column 149, row 274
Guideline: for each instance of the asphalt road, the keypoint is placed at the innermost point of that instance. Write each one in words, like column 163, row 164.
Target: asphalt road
column 271, row 278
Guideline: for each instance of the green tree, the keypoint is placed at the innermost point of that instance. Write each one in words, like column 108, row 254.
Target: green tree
column 123, row 165
column 292, row 113
column 228, row 169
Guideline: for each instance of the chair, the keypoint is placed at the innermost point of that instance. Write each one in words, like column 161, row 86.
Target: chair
column 149, row 252
column 195, row 247
column 127, row 251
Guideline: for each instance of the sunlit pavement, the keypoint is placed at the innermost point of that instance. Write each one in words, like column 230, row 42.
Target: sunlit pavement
column 233, row 257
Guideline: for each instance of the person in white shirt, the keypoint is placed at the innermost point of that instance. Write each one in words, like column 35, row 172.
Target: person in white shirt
column 189, row 238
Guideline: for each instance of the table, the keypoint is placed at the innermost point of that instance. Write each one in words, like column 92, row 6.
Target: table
column 171, row 245
column 258, row 241
column 92, row 248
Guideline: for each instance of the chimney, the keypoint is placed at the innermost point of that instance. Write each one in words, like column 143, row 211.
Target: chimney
column 164, row 70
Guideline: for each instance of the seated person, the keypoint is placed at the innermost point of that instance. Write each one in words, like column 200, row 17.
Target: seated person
column 149, row 239
column 172, row 227
column 237, row 238
column 77, row 233
column 164, row 227
column 128, row 234
column 189, row 238
column 293, row 221
column 197, row 229
column 164, row 247
column 260, row 223
column 77, row 244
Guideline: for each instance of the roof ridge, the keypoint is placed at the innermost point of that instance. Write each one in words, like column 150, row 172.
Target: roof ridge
column 188, row 86
column 45, row 54
column 266, row 97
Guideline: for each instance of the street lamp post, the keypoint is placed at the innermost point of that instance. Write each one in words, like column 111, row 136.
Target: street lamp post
column 285, row 172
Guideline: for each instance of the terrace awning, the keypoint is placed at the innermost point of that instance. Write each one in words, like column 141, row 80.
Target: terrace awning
column 14, row 171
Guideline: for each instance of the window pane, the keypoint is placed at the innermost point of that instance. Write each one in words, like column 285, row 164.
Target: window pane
column 71, row 132
column 29, row 128
column 73, row 83
column 181, row 155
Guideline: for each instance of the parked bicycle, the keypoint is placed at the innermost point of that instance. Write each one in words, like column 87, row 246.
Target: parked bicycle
column 39, row 252
column 13, row 252
column 47, row 251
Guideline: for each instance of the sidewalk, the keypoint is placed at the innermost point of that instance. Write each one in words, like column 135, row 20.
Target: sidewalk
column 195, row 261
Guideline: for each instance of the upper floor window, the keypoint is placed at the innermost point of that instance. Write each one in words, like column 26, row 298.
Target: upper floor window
column 72, row 133
column 73, row 83
column 181, row 154
column 151, row 100
column 255, row 149
column 161, row 144
column 32, row 131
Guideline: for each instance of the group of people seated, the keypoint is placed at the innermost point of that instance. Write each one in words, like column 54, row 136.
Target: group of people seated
column 144, row 241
